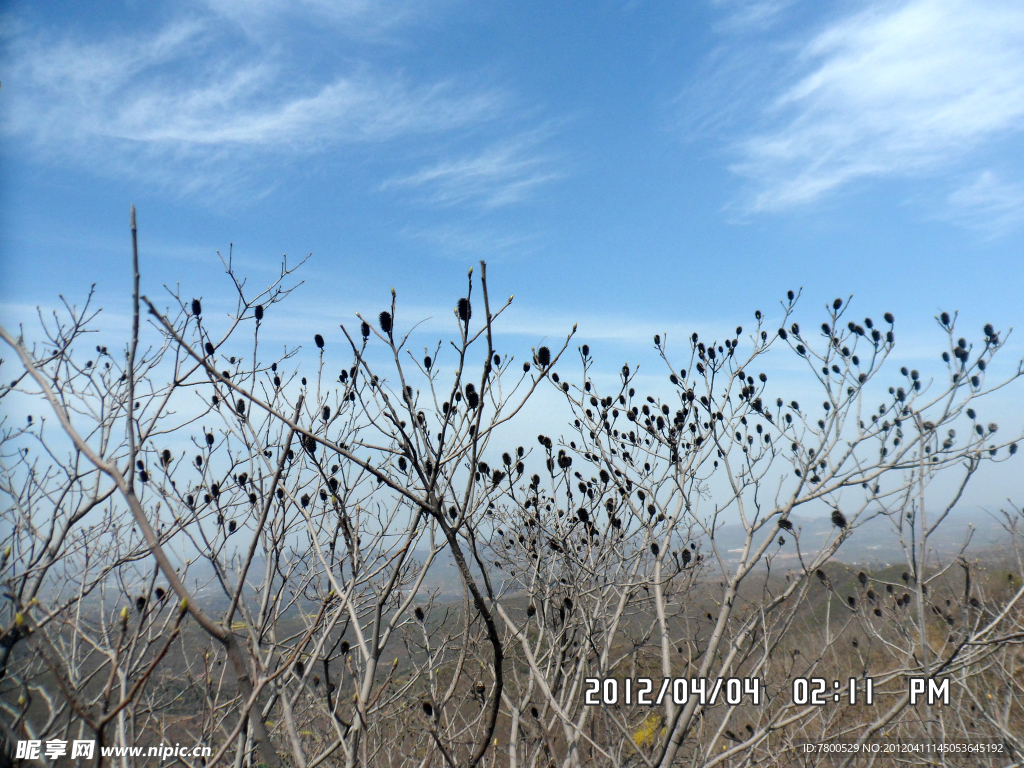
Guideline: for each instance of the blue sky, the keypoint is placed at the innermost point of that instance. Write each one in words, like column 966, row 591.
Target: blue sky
column 635, row 167
column 623, row 164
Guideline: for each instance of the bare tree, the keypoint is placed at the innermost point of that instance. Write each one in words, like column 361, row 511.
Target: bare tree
column 616, row 561
column 212, row 546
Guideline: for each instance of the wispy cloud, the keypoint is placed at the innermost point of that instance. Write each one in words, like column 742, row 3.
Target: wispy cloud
column 751, row 14
column 470, row 240
column 365, row 18
column 501, row 174
column 135, row 90
column 988, row 203
column 182, row 107
column 901, row 89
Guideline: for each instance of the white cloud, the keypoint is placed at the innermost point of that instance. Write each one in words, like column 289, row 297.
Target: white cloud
column 898, row 90
column 989, row 204
column 751, row 14
column 473, row 242
column 188, row 106
column 365, row 18
column 143, row 91
column 501, row 174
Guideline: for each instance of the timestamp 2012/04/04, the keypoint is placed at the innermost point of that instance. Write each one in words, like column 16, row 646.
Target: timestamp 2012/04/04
column 646, row 691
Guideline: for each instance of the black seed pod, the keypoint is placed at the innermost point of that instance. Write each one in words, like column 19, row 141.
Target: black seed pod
column 544, row 357
column 197, row 308
column 259, row 312
column 418, row 613
column 465, row 310
column 210, row 349
column 319, row 341
column 385, row 322
column 364, row 328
